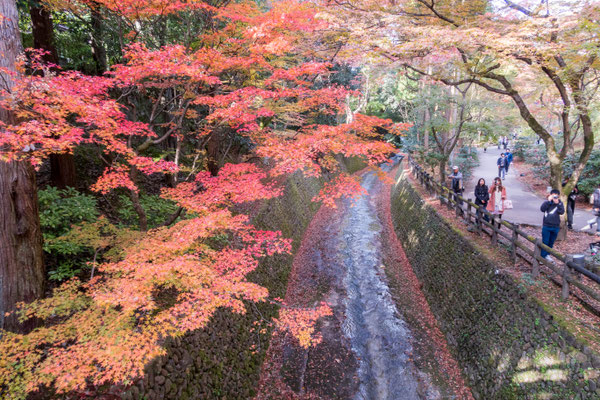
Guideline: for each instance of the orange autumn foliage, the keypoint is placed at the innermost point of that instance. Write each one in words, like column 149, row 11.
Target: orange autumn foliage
column 172, row 279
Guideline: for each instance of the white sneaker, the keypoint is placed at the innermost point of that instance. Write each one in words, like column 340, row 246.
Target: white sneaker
column 548, row 258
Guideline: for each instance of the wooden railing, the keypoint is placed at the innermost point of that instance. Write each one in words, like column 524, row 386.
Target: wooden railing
column 566, row 269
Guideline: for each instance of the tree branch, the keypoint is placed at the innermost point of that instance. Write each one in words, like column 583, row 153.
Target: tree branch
column 564, row 95
column 431, row 6
column 519, row 8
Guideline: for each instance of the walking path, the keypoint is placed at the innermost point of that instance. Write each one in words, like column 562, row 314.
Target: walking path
column 526, row 203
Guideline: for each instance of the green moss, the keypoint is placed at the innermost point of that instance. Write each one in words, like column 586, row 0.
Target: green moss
column 354, row 164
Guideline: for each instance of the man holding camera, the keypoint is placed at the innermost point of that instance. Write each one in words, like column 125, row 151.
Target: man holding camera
column 553, row 208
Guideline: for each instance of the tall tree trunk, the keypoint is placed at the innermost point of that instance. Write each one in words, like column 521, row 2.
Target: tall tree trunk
column 137, row 205
column 22, row 274
column 62, row 170
column 62, row 166
column 43, row 33
column 452, row 121
column 98, row 50
column 442, row 171
column 213, row 146
column 427, row 115
column 426, row 131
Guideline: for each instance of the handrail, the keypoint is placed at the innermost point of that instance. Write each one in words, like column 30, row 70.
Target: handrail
column 453, row 200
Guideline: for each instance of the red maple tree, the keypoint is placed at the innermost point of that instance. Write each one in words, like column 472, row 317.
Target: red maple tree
column 250, row 76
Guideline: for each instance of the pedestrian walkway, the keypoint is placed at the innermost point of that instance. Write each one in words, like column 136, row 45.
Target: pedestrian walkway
column 526, row 203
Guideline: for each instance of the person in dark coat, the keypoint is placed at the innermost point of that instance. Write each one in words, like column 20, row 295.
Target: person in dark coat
column 482, row 196
column 509, row 158
column 571, row 204
column 552, row 208
column 501, row 166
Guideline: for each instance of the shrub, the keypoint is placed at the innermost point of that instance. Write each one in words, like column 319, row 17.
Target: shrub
column 589, row 179
column 60, row 210
column 535, row 155
column 532, row 153
column 157, row 210
column 466, row 160
column 521, row 147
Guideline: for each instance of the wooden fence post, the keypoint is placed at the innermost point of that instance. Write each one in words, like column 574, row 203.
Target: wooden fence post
column 468, row 214
column 515, row 238
column 430, row 188
column 478, row 218
column 441, row 195
column 457, row 205
column 565, row 282
column 537, row 251
column 494, row 231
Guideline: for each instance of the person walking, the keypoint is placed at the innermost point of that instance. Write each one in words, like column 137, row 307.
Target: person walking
column 501, row 166
column 571, row 204
column 482, row 196
column 596, row 208
column 552, row 208
column 457, row 184
column 509, row 158
column 497, row 196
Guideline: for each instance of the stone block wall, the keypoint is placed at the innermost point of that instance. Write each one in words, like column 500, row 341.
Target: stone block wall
column 223, row 360
column 507, row 344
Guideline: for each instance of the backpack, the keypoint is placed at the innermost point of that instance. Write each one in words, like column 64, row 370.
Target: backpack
column 455, row 184
column 456, row 181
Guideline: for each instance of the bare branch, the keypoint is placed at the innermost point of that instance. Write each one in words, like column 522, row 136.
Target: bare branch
column 519, row 8
column 431, row 6
column 566, row 108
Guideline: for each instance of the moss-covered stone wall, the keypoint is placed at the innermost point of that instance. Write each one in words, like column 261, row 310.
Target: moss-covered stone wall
column 223, row 360
column 508, row 345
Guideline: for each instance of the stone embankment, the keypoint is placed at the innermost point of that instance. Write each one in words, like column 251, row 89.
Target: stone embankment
column 508, row 345
column 223, row 360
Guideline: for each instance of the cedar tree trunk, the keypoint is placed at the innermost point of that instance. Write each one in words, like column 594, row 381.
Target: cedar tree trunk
column 22, row 274
column 62, row 166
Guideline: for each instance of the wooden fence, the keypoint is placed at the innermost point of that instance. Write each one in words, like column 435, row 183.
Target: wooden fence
column 566, row 269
